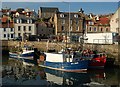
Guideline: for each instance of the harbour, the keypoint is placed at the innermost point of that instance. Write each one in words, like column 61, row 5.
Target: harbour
column 15, row 73
column 55, row 48
column 112, row 50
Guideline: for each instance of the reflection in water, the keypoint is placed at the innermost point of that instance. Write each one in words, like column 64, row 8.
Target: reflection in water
column 67, row 78
column 16, row 73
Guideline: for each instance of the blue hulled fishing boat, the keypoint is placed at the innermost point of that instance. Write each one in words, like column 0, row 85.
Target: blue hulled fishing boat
column 64, row 61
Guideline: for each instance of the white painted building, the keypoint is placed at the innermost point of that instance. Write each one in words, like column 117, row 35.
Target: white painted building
column 7, row 33
column 20, row 29
column 99, row 38
column 24, row 26
column 115, row 22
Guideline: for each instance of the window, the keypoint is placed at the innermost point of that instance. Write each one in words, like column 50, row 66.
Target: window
column 19, row 28
column 20, row 21
column 11, row 35
column 24, row 28
column 70, row 28
column 117, row 30
column 17, row 20
column 90, row 23
column 63, row 28
column 11, row 29
column 4, row 29
column 63, row 21
column 107, row 29
column 28, row 21
column 90, row 29
column 4, row 35
column 76, row 15
column 77, row 28
column 19, row 34
column 77, row 22
column 95, row 29
column 101, row 29
column 27, row 13
column 70, row 21
column 8, row 35
column 62, row 15
column 29, row 28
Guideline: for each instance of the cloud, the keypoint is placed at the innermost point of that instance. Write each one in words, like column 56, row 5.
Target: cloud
column 60, row 0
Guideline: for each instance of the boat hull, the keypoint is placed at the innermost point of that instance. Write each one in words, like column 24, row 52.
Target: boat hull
column 97, row 63
column 26, row 57
column 79, row 66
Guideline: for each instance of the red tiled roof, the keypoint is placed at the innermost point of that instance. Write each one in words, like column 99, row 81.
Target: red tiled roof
column 103, row 21
column 4, row 19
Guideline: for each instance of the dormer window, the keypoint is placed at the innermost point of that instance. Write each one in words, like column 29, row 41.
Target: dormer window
column 76, row 15
column 62, row 15
column 91, row 23
column 17, row 14
column 23, row 11
column 27, row 13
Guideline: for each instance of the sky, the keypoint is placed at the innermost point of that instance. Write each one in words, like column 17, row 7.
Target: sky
column 60, row 0
column 88, row 7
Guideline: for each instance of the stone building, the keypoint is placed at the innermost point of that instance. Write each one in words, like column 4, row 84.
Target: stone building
column 47, row 12
column 71, row 23
column 114, row 22
column 44, row 29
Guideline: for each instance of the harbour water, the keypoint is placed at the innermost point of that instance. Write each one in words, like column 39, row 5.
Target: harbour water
column 16, row 73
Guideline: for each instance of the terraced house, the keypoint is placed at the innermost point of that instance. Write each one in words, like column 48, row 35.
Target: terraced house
column 98, row 24
column 6, row 24
column 72, row 23
column 24, row 23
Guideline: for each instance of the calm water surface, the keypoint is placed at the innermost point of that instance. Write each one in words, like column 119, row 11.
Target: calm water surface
column 16, row 73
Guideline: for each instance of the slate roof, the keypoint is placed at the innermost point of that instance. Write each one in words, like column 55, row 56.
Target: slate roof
column 72, row 15
column 49, row 9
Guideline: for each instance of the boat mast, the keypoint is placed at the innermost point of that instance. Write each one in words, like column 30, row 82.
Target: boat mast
column 83, row 28
column 66, row 35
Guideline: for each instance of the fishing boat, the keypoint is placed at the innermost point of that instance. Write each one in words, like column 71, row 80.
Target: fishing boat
column 65, row 61
column 96, row 60
column 26, row 54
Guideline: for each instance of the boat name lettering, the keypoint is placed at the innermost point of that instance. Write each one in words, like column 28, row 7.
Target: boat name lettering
column 75, row 63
